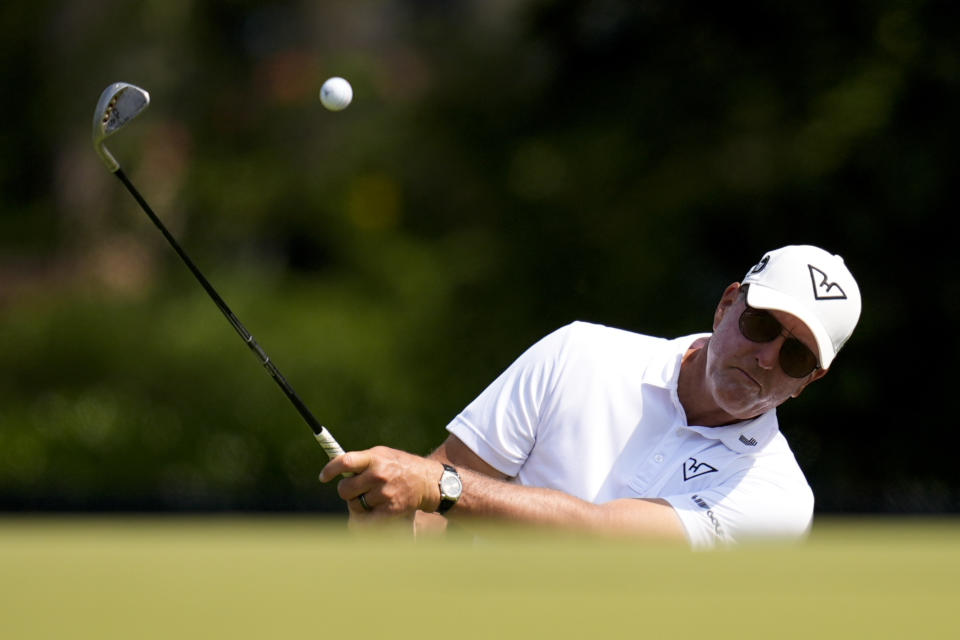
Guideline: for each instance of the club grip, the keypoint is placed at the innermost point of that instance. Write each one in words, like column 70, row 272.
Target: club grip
column 330, row 446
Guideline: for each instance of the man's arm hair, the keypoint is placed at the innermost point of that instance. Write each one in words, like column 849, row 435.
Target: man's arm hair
column 488, row 495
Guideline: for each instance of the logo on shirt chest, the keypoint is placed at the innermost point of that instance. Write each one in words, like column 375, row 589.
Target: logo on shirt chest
column 694, row 469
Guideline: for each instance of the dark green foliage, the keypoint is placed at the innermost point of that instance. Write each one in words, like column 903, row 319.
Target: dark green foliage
column 505, row 168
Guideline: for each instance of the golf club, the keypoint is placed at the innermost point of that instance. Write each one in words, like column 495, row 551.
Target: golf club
column 119, row 104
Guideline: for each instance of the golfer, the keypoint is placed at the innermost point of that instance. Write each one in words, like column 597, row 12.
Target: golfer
column 604, row 430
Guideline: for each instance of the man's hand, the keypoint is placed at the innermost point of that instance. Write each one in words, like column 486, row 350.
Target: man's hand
column 393, row 483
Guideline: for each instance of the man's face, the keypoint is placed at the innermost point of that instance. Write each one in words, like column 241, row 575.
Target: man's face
column 745, row 377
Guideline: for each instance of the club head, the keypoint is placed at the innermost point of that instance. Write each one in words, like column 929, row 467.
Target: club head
column 118, row 104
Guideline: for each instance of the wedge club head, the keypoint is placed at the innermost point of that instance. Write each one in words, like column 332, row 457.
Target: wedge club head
column 118, row 104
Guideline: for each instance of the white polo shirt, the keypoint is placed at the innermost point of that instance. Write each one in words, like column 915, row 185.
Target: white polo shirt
column 593, row 411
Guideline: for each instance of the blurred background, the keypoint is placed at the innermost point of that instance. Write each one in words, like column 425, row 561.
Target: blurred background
column 506, row 167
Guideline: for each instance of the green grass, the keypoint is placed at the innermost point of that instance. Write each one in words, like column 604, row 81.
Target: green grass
column 299, row 577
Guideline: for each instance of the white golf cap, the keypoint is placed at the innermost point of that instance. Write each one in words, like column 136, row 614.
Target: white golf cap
column 813, row 285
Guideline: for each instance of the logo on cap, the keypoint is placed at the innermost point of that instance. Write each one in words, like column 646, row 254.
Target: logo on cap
column 823, row 289
column 760, row 266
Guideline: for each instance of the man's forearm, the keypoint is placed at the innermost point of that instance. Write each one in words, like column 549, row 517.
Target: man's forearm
column 488, row 494
column 382, row 483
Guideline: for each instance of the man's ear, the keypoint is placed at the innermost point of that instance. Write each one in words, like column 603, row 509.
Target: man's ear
column 816, row 375
column 729, row 296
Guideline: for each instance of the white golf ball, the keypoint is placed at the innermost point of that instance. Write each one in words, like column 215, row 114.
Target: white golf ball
column 336, row 94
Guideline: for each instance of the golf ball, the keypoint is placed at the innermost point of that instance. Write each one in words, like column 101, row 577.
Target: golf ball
column 336, row 94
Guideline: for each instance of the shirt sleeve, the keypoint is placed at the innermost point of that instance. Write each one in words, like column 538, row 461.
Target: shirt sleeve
column 758, row 504
column 500, row 425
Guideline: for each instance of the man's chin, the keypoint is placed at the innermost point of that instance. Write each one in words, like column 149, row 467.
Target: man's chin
column 741, row 401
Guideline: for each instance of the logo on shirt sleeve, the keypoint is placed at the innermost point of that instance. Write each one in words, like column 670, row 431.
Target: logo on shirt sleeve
column 693, row 469
column 714, row 521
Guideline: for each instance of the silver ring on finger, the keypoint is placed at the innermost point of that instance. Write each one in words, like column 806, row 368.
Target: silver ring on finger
column 363, row 502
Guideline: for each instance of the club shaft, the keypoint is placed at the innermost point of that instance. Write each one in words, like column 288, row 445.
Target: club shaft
column 329, row 444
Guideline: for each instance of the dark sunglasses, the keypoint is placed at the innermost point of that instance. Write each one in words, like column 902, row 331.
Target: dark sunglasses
column 796, row 360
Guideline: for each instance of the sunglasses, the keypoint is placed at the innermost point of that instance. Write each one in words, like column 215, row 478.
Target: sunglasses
column 796, row 360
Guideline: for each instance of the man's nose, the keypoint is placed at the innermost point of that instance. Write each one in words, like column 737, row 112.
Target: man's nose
column 768, row 353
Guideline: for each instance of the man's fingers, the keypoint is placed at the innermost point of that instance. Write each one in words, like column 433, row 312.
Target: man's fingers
column 389, row 481
column 356, row 508
column 355, row 486
column 352, row 462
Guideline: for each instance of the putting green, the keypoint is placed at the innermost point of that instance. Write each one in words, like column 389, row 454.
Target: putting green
column 297, row 577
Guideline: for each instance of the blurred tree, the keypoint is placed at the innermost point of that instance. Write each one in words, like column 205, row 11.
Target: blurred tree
column 506, row 167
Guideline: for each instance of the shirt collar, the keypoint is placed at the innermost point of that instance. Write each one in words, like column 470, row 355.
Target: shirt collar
column 744, row 437
column 663, row 368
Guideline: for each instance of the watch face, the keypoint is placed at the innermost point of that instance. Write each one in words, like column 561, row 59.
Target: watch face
column 450, row 485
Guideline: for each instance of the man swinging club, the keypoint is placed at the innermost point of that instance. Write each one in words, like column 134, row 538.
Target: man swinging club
column 604, row 430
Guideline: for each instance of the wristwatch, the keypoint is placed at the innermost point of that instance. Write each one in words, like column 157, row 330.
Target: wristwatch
column 450, row 488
